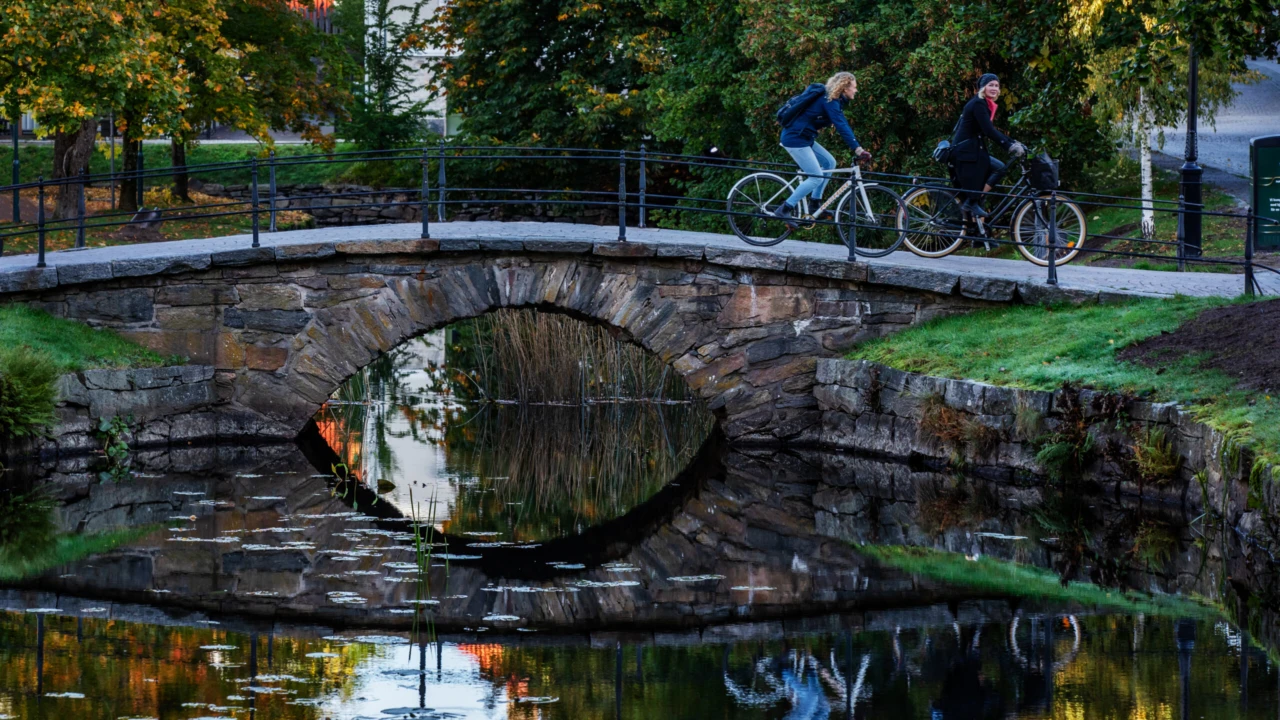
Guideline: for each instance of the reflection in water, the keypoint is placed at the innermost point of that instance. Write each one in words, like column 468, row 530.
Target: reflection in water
column 501, row 453
column 597, row 559
column 888, row 664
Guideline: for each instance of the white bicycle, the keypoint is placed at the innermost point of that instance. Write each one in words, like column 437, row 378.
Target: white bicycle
column 867, row 215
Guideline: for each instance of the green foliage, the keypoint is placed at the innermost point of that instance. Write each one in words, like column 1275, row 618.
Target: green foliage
column 112, row 433
column 382, row 114
column 548, row 72
column 27, row 392
column 1154, row 457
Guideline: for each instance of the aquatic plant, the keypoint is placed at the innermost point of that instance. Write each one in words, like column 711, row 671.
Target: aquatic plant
column 539, row 357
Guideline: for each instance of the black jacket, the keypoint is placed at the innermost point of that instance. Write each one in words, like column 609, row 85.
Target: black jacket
column 969, row 153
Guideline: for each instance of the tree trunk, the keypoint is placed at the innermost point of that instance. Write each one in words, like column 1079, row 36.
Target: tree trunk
column 71, row 153
column 180, row 184
column 129, row 181
column 1142, row 131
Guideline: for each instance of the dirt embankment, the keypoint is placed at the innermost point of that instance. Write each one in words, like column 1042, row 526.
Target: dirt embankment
column 1242, row 341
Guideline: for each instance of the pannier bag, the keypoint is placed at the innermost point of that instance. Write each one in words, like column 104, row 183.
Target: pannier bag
column 796, row 105
column 1044, row 173
column 942, row 153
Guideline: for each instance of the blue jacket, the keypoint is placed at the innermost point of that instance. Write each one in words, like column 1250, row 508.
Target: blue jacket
column 821, row 113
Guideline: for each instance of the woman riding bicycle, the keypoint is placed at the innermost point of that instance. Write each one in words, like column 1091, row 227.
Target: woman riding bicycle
column 974, row 167
column 799, row 139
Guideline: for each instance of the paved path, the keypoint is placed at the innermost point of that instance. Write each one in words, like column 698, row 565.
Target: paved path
column 16, row 270
column 1255, row 112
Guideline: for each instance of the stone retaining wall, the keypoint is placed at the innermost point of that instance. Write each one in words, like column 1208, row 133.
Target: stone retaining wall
column 164, row 405
column 874, row 408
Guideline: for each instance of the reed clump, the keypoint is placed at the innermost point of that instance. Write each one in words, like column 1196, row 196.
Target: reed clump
column 538, row 357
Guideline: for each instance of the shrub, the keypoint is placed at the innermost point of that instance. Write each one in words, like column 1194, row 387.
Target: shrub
column 27, row 392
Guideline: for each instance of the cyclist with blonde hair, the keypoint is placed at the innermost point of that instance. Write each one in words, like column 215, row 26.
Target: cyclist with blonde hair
column 800, row 132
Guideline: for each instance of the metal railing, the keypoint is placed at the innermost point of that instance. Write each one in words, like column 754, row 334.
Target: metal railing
column 560, row 184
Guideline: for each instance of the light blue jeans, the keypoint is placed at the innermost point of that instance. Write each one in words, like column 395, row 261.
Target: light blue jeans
column 814, row 162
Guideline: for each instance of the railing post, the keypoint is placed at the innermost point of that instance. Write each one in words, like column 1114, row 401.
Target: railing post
column 40, row 220
column 17, row 170
column 622, row 196
column 253, row 197
column 1248, row 253
column 271, row 188
column 1051, row 252
column 424, row 201
column 644, row 182
column 1182, row 235
column 80, row 207
column 440, row 186
column 141, row 180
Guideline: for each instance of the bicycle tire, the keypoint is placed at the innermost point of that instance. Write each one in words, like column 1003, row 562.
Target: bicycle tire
column 936, row 213
column 878, row 235
column 1032, row 241
column 749, row 210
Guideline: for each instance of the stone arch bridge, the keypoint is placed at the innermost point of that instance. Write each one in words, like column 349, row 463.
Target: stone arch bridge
column 271, row 332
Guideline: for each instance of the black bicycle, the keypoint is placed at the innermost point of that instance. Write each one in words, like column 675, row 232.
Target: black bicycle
column 936, row 227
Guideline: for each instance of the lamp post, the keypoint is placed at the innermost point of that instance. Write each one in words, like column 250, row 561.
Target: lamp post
column 1189, row 189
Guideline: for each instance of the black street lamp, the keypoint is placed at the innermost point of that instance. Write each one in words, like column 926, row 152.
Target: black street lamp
column 1190, row 191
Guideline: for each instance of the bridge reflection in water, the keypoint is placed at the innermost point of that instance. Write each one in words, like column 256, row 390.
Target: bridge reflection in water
column 599, row 560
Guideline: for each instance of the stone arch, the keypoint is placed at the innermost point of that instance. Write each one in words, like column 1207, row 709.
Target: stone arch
column 743, row 348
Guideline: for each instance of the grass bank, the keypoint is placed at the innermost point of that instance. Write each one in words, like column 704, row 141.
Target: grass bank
column 1011, row 579
column 37, row 160
column 1041, row 348
column 35, row 348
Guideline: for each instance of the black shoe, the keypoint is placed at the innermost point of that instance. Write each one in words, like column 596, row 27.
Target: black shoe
column 824, row 216
column 974, row 208
column 785, row 212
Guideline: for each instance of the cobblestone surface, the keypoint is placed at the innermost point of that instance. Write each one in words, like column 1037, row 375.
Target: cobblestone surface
column 18, row 272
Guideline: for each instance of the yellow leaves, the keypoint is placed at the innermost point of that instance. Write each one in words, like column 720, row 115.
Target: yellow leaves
column 116, row 17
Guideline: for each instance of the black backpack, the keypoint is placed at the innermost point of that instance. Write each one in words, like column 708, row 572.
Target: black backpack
column 796, row 105
column 1043, row 174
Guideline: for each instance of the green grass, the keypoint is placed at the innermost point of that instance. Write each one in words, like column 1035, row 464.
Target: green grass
column 1041, row 348
column 1222, row 236
column 1016, row 580
column 72, row 346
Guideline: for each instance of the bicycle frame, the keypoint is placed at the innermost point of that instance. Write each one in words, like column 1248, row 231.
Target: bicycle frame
column 840, row 192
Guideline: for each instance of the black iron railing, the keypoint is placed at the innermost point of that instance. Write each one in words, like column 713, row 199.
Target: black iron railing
column 553, row 183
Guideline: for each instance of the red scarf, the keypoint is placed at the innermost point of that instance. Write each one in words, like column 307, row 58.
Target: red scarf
column 991, row 104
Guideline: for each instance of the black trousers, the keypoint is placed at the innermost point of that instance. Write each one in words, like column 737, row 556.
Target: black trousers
column 998, row 171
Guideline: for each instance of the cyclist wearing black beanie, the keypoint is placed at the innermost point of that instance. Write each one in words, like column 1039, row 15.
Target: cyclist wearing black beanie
column 975, row 169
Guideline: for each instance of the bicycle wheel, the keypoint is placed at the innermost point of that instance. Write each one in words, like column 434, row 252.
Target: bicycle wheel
column 1031, row 230
column 750, row 205
column 933, row 223
column 874, row 225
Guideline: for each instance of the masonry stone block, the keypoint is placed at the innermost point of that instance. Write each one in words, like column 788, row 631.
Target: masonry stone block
column 125, row 306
